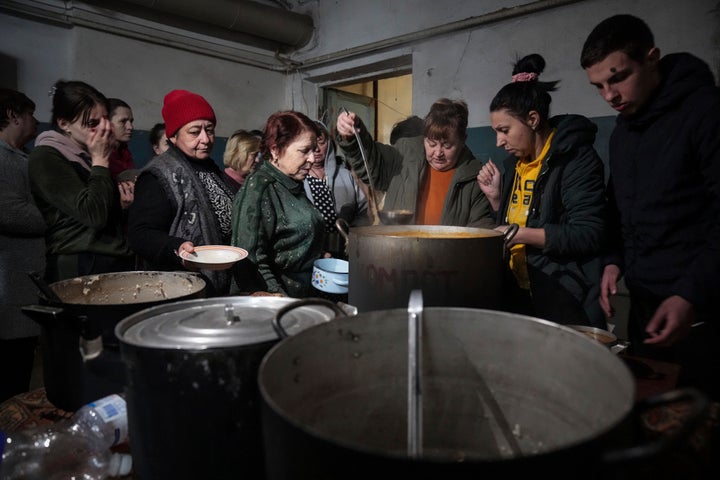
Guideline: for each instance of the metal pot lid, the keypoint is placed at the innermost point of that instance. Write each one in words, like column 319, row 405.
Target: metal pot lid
column 216, row 322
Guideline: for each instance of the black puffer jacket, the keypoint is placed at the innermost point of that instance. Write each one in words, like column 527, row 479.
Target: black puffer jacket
column 665, row 186
column 569, row 203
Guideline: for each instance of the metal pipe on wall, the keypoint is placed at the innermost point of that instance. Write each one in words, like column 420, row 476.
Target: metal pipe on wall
column 244, row 16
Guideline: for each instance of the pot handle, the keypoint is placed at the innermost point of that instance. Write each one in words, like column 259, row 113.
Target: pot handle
column 45, row 289
column 699, row 408
column 510, row 233
column 343, row 228
column 280, row 330
column 44, row 315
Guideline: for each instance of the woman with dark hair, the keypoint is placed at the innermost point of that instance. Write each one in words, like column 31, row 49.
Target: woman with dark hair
column 553, row 187
column 22, row 244
column 121, row 119
column 432, row 175
column 272, row 218
column 71, row 181
column 333, row 189
column 158, row 139
column 181, row 199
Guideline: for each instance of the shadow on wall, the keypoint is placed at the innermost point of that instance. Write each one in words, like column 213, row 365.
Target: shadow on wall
column 8, row 72
column 140, row 146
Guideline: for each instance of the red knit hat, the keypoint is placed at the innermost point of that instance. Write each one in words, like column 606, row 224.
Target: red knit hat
column 181, row 107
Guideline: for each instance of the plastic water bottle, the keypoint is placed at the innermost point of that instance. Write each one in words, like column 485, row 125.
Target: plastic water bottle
column 76, row 448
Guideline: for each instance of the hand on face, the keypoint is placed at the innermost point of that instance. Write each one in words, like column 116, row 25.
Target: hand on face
column 100, row 142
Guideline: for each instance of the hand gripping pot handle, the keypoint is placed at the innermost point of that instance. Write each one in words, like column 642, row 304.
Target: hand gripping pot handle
column 699, row 407
column 277, row 325
column 508, row 235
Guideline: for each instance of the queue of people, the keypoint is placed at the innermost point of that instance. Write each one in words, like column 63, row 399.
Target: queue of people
column 656, row 222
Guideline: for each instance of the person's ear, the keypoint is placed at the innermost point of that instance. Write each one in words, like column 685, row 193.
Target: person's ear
column 63, row 125
column 533, row 120
column 653, row 56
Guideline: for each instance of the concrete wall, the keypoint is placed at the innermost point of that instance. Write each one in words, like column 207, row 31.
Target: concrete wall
column 355, row 40
column 140, row 73
column 473, row 64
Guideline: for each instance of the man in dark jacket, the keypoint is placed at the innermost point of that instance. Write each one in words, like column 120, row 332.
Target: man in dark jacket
column 664, row 193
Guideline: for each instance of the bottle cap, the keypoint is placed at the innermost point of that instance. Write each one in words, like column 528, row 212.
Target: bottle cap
column 120, row 464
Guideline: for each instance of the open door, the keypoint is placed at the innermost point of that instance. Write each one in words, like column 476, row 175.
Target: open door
column 364, row 107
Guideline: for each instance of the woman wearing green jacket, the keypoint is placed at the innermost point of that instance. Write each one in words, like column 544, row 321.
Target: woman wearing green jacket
column 272, row 217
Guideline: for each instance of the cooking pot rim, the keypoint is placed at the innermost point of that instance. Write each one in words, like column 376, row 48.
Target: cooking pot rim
column 261, row 303
column 388, row 230
column 199, row 284
column 581, row 441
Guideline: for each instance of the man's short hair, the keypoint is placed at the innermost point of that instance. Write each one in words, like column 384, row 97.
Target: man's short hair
column 624, row 33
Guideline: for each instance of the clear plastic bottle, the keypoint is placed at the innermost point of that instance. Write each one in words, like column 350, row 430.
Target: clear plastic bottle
column 77, row 448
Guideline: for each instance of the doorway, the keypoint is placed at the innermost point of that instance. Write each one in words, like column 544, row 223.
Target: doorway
column 381, row 103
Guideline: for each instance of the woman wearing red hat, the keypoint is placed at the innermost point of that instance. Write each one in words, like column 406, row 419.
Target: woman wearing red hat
column 181, row 199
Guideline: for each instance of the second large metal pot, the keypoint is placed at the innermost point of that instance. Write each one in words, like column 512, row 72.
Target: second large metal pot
column 192, row 396
column 80, row 353
column 453, row 266
column 502, row 395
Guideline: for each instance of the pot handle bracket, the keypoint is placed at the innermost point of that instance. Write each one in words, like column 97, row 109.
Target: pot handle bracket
column 277, row 325
column 699, row 407
column 509, row 234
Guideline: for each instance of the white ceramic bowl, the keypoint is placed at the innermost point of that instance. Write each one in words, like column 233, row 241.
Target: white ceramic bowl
column 214, row 257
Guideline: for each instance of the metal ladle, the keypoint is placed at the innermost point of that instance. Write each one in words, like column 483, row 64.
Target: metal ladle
column 415, row 407
column 371, row 187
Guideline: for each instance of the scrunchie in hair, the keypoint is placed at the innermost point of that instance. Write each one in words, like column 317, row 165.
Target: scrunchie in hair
column 524, row 77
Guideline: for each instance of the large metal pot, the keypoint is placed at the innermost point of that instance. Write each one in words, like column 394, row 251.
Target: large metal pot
column 80, row 353
column 501, row 394
column 192, row 396
column 453, row 266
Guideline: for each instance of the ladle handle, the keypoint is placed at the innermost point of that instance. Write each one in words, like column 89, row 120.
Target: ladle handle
column 415, row 408
column 371, row 187
column 45, row 289
column 343, row 227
